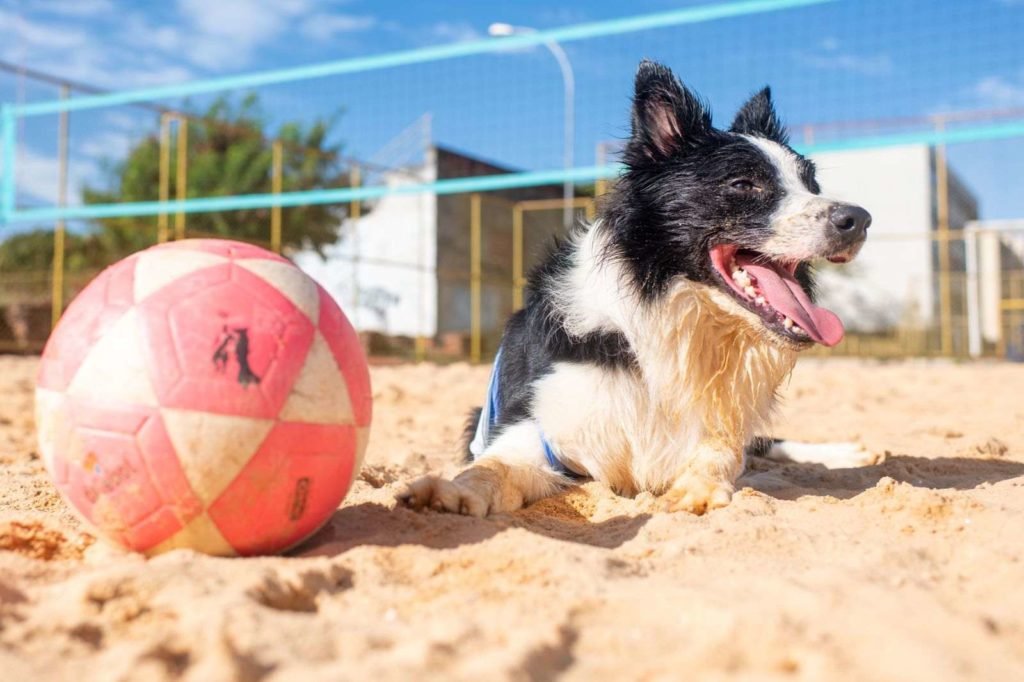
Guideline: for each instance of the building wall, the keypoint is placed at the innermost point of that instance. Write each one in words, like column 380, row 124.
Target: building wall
column 414, row 254
column 453, row 246
column 397, row 247
column 891, row 282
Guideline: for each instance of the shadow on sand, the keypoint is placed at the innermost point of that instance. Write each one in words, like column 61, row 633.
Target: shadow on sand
column 385, row 526
column 790, row 480
column 560, row 517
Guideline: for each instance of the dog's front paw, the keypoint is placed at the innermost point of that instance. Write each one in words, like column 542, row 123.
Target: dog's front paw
column 697, row 494
column 443, row 495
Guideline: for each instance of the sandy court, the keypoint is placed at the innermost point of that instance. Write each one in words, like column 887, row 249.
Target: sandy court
column 909, row 569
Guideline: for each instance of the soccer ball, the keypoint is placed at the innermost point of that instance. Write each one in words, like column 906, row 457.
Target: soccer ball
column 204, row 394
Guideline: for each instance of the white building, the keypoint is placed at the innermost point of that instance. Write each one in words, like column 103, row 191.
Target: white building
column 411, row 276
column 893, row 282
column 391, row 287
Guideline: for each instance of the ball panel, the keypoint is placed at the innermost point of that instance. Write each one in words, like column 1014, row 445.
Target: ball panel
column 319, row 395
column 213, row 448
column 94, row 310
column 145, row 534
column 52, row 430
column 108, row 477
column 223, row 247
column 362, row 440
column 158, row 267
column 199, row 534
column 115, row 369
column 166, row 470
column 224, row 341
column 348, row 353
column 300, row 475
column 294, row 284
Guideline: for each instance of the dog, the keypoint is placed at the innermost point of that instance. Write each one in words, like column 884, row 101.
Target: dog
column 654, row 341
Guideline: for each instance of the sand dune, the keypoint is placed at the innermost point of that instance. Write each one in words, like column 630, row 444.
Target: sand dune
column 912, row 568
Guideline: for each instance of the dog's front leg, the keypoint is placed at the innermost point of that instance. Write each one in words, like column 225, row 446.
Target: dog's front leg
column 707, row 481
column 511, row 473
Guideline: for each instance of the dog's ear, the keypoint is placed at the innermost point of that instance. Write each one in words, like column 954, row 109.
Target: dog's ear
column 758, row 117
column 667, row 117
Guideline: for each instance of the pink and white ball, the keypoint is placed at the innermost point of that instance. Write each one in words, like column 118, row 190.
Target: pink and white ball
column 204, row 394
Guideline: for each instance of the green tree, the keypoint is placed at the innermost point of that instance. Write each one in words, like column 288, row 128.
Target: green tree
column 32, row 251
column 229, row 153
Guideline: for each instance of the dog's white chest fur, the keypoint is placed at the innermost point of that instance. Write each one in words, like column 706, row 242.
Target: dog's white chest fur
column 704, row 378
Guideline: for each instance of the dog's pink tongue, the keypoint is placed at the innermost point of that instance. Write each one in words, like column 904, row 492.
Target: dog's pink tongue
column 786, row 295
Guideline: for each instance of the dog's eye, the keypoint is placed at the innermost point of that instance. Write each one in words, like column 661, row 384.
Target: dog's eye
column 743, row 185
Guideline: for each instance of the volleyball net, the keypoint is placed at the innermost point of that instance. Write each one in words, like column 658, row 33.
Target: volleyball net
column 420, row 185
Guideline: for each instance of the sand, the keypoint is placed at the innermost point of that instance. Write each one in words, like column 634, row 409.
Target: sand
column 910, row 569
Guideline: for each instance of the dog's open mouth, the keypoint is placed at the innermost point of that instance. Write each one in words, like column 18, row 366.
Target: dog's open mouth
column 769, row 289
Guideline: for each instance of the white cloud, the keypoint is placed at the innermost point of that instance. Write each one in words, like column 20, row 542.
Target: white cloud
column 107, row 145
column 831, row 56
column 997, row 91
column 121, row 130
column 455, row 31
column 563, row 16
column 38, row 173
column 19, row 31
column 74, row 8
column 61, row 48
column 225, row 33
column 324, row 27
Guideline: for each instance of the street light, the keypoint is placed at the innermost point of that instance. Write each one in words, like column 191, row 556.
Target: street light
column 569, row 85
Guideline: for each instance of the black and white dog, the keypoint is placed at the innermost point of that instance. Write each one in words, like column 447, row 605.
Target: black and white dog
column 654, row 341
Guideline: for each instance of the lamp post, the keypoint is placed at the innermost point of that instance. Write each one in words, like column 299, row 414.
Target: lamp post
column 569, row 87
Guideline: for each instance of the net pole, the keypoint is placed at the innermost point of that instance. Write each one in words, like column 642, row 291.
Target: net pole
column 474, row 278
column 182, row 176
column 517, row 257
column 355, row 214
column 7, row 191
column 601, row 184
column 942, row 214
column 57, row 294
column 277, row 153
column 165, row 177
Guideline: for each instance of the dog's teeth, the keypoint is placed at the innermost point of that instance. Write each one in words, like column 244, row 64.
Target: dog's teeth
column 787, row 323
column 799, row 331
column 760, row 301
column 750, row 291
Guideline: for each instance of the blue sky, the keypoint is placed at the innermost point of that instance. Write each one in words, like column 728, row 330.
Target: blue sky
column 850, row 60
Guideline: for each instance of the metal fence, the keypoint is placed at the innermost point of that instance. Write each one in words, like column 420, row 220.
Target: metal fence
column 433, row 244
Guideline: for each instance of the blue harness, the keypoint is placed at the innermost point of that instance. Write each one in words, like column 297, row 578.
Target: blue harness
column 489, row 417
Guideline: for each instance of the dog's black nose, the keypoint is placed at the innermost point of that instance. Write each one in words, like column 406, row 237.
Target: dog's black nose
column 851, row 222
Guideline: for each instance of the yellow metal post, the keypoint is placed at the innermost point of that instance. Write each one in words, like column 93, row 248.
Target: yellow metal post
column 517, row 258
column 165, row 175
column 601, row 185
column 355, row 213
column 590, row 208
column 474, row 278
column 182, row 179
column 942, row 214
column 57, row 294
column 277, row 151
